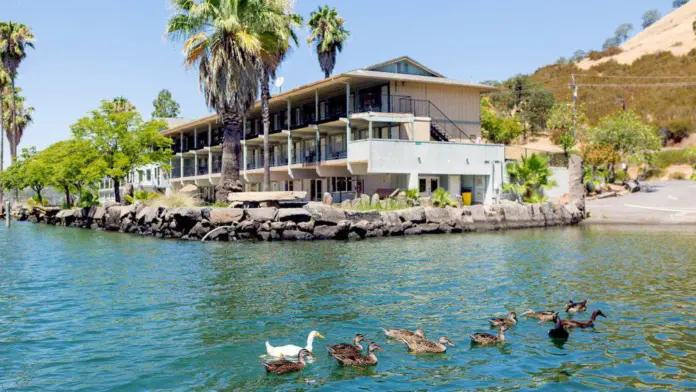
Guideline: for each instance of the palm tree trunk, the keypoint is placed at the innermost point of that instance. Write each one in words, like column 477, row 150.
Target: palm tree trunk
column 117, row 190
column 265, row 98
column 327, row 74
column 11, row 131
column 231, row 147
column 2, row 147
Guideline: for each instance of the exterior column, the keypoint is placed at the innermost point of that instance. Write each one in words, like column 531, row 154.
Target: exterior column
column 195, row 151
column 290, row 146
column 369, row 129
column 454, row 185
column 244, row 156
column 210, row 150
column 317, row 146
column 347, row 113
column 181, row 157
column 413, row 181
column 316, row 106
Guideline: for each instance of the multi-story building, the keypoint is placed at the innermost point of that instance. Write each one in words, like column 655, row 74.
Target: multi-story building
column 151, row 178
column 394, row 125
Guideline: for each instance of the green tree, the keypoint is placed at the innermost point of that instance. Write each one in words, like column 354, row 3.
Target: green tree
column 578, row 55
column 498, row 129
column 622, row 32
column 522, row 97
column 4, row 82
column 626, row 134
column 276, row 39
column 18, row 116
column 28, row 171
column 612, row 42
column 650, row 17
column 14, row 39
column 75, row 165
column 327, row 36
column 222, row 41
column 529, row 177
column 165, row 106
column 679, row 3
column 567, row 125
column 123, row 140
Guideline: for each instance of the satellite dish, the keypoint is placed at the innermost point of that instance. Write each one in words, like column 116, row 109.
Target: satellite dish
column 279, row 82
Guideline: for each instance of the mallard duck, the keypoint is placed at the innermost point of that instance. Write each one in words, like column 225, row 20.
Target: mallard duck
column 427, row 346
column 284, row 366
column 345, row 348
column 486, row 338
column 576, row 307
column 542, row 315
column 559, row 331
column 507, row 321
column 404, row 333
column 588, row 324
column 291, row 350
column 358, row 359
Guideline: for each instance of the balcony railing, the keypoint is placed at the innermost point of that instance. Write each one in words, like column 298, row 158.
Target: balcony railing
column 336, row 154
column 176, row 172
column 202, row 171
column 189, row 171
column 217, row 166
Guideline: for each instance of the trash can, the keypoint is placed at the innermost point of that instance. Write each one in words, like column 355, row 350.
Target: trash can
column 466, row 196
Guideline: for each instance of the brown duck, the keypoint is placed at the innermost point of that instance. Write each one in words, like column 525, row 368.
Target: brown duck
column 587, row 324
column 359, row 359
column 506, row 321
column 427, row 346
column 345, row 348
column 483, row 338
column 542, row 315
column 559, row 331
column 576, row 307
column 283, row 366
column 404, row 333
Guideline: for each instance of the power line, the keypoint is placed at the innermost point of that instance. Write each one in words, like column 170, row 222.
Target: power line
column 665, row 84
column 636, row 77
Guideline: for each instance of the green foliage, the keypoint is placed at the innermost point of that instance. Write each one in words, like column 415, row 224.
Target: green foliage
column 165, row 106
column 693, row 177
column 626, row 134
column 442, row 198
column 75, row 164
column 654, row 173
column 142, row 196
column 578, row 55
column 498, row 129
column 666, row 158
column 529, row 177
column 679, row 3
column 650, row 17
column 327, row 36
column 221, row 204
column 122, row 139
column 175, row 199
column 561, row 120
column 412, row 194
column 676, row 131
column 608, row 51
column 567, row 141
column 37, row 200
column 89, row 199
column 522, row 97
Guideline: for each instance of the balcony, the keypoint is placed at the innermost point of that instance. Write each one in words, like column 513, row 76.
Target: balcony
column 176, row 172
column 217, row 166
column 189, row 171
column 202, row 170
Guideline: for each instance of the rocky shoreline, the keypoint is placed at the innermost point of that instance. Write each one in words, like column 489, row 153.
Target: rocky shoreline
column 314, row 221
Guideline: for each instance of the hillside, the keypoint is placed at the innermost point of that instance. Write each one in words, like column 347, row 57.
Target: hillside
column 673, row 33
column 653, row 76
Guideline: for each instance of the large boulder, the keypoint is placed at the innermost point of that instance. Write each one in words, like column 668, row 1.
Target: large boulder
column 570, row 214
column 327, row 199
column 437, row 215
column 325, row 215
column 516, row 215
column 296, row 215
column 336, row 232
column 357, row 216
column 478, row 217
column 295, row 235
column 262, row 214
column 226, row 216
column 183, row 213
column 391, row 218
column 374, row 201
column 147, row 215
column 413, row 214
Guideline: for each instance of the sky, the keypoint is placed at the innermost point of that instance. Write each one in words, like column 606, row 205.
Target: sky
column 90, row 50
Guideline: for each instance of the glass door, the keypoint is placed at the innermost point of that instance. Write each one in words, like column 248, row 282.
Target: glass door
column 427, row 185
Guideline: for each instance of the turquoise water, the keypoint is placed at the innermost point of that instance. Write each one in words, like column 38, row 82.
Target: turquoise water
column 89, row 311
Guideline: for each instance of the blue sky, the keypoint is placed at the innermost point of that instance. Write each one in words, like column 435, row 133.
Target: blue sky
column 90, row 50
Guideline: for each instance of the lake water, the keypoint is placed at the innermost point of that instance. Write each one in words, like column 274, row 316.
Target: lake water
column 90, row 311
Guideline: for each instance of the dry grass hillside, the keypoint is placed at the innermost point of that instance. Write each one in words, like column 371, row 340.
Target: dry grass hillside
column 673, row 33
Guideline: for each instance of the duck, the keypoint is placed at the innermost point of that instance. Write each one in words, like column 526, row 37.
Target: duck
column 559, row 331
column 345, row 348
column 283, row 366
column 588, row 324
column 507, row 321
column 542, row 315
column 427, row 346
column 291, row 350
column 483, row 338
column 576, row 307
column 404, row 333
column 359, row 359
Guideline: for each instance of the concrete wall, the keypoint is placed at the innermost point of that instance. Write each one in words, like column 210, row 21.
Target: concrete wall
column 562, row 177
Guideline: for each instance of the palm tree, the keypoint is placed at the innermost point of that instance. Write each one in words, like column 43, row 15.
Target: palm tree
column 529, row 177
column 275, row 47
column 122, row 104
column 16, row 119
column 14, row 39
column 4, row 82
column 222, row 41
column 327, row 36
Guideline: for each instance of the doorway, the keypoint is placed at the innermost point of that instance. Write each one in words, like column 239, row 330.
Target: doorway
column 315, row 190
column 428, row 184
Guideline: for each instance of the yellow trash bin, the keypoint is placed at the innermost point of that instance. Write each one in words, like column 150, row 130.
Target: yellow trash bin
column 466, row 198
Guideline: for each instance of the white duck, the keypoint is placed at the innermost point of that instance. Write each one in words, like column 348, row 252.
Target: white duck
column 291, row 350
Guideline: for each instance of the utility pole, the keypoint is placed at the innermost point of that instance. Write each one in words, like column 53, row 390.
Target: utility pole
column 574, row 86
column 8, row 216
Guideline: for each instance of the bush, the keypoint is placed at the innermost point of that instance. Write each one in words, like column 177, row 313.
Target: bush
column 666, row 158
column 442, row 198
column 37, row 200
column 622, row 176
column 596, row 55
column 693, row 177
column 654, row 172
column 88, row 199
column 677, row 176
column 676, row 131
column 174, row 199
column 412, row 194
column 142, row 196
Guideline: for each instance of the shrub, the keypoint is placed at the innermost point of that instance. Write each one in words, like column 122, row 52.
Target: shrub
column 442, row 198
column 142, row 196
column 412, row 194
column 693, row 177
column 174, row 199
column 88, row 199
column 529, row 177
column 677, row 176
column 37, row 200
column 654, row 172
column 666, row 158
column 676, row 131
column 622, row 176
column 596, row 55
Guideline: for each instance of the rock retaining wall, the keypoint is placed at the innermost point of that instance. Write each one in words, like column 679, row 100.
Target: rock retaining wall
column 312, row 222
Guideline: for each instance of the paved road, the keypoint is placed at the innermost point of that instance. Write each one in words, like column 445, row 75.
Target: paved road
column 673, row 202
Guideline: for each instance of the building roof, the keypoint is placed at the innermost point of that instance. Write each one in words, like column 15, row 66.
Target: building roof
column 404, row 58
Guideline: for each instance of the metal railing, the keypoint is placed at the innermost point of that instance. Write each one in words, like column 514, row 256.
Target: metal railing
column 217, row 166
column 189, row 171
column 556, row 159
column 202, row 170
column 176, row 172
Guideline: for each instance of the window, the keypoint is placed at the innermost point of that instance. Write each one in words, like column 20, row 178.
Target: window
column 422, row 185
column 148, row 175
column 140, row 176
